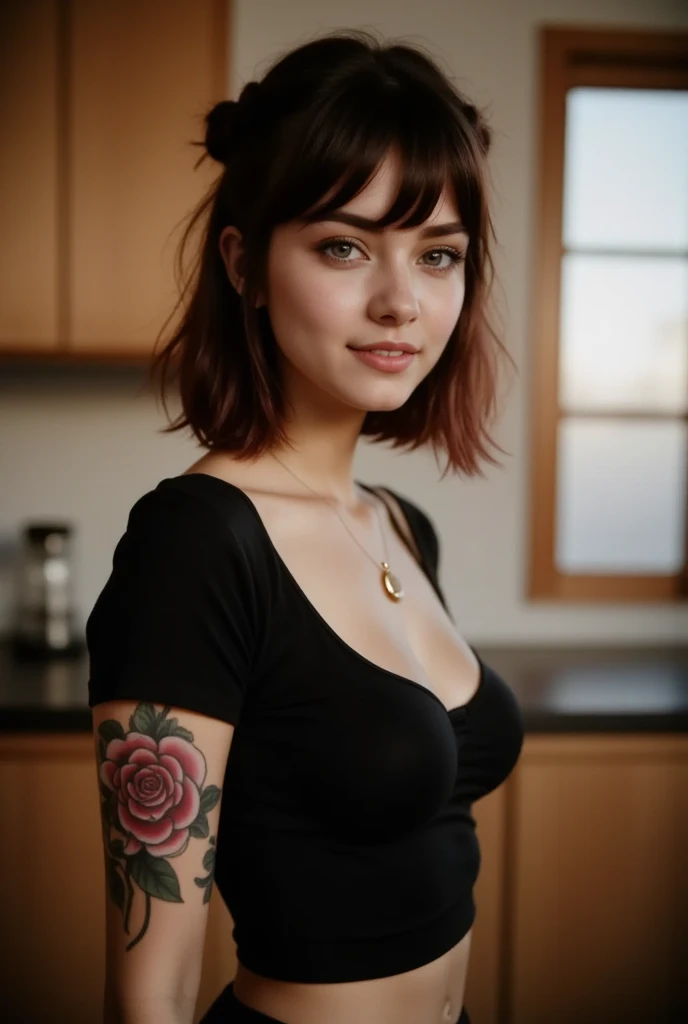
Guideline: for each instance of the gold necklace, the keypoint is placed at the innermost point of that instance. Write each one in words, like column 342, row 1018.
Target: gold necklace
column 390, row 583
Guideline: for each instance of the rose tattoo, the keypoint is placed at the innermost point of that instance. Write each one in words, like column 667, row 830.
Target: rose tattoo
column 151, row 786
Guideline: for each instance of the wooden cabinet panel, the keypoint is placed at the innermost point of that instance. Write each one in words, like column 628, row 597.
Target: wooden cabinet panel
column 51, row 880
column 600, row 888
column 52, row 890
column 582, row 896
column 142, row 78
column 29, row 174
column 487, row 960
column 52, row 887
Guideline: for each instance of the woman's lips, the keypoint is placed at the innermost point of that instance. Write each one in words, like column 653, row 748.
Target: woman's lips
column 388, row 364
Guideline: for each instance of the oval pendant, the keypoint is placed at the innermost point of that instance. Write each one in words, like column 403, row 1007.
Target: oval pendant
column 391, row 583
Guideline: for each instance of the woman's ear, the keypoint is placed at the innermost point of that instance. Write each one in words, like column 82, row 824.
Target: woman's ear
column 232, row 252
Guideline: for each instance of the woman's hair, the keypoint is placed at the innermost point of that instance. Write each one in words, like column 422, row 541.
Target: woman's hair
column 306, row 139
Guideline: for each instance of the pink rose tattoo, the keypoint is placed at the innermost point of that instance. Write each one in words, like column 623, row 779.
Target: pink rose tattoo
column 158, row 785
column 151, row 785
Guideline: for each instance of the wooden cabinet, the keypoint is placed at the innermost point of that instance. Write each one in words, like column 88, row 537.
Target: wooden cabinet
column 143, row 77
column 598, row 908
column 52, row 889
column 52, row 892
column 487, row 964
column 102, row 100
column 582, row 896
column 29, row 179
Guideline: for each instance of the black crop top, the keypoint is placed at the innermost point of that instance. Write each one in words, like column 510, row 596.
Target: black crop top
column 346, row 847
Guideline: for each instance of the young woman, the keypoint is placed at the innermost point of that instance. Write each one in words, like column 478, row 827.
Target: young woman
column 282, row 701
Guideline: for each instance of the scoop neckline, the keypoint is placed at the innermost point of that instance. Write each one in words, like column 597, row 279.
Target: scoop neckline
column 460, row 709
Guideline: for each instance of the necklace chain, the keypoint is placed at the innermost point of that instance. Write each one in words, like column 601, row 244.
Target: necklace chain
column 390, row 582
column 330, row 501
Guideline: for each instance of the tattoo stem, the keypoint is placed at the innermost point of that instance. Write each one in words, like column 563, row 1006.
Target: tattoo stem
column 143, row 927
column 130, row 897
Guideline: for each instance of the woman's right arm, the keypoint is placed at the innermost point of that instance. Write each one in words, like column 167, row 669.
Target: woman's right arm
column 173, row 640
column 160, row 776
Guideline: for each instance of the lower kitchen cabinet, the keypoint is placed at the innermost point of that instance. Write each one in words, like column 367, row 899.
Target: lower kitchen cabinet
column 597, row 903
column 582, row 897
column 52, row 889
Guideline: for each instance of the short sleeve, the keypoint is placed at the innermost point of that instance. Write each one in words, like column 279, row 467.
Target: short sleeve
column 178, row 619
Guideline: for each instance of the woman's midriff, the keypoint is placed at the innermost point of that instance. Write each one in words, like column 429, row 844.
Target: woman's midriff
column 430, row 994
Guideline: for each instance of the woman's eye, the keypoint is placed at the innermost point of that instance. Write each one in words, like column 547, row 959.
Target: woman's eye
column 454, row 256
column 342, row 243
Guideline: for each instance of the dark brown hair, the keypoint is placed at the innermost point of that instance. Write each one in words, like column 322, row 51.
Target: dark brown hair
column 317, row 125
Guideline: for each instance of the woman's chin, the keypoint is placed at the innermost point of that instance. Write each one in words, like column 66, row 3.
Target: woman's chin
column 383, row 396
column 384, row 403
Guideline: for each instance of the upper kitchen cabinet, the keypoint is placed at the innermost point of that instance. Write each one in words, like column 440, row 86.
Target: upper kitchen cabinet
column 103, row 103
column 29, row 179
column 143, row 76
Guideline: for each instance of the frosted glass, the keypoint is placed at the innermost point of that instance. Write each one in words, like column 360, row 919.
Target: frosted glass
column 621, row 496
column 626, row 169
column 624, row 333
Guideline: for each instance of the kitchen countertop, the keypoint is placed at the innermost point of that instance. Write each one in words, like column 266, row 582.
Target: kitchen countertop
column 560, row 689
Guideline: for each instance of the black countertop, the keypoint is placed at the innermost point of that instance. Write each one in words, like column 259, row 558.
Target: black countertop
column 560, row 690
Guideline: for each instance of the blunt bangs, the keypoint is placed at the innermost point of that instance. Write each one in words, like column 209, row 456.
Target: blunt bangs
column 334, row 160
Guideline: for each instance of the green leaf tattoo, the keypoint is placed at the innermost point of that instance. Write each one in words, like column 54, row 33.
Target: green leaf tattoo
column 151, row 782
column 209, row 864
column 156, row 878
column 200, row 828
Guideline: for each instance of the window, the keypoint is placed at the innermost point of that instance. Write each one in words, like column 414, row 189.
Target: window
column 610, row 326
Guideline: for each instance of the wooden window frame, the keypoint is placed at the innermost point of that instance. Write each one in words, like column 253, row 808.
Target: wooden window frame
column 597, row 58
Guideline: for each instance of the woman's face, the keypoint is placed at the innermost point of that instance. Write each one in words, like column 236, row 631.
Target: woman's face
column 333, row 287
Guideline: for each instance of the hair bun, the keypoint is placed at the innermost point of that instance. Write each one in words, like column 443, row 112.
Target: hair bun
column 227, row 120
column 219, row 129
column 249, row 94
column 479, row 126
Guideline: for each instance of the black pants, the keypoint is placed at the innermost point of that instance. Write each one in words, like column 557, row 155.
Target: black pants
column 228, row 1010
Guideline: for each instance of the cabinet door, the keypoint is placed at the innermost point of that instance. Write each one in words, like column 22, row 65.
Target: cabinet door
column 600, row 889
column 28, row 175
column 142, row 78
column 51, row 880
column 486, row 968
column 52, row 887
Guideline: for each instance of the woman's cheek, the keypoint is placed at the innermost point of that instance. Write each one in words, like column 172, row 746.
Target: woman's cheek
column 314, row 305
column 449, row 311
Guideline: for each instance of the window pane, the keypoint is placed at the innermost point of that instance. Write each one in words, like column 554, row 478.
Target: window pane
column 621, row 497
column 624, row 333
column 626, row 169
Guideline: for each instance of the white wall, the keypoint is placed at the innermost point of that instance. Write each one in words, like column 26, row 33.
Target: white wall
column 83, row 445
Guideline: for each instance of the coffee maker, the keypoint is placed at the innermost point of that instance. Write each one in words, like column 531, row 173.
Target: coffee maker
column 45, row 618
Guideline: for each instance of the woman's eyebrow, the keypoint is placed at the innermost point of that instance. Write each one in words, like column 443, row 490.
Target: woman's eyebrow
column 356, row 221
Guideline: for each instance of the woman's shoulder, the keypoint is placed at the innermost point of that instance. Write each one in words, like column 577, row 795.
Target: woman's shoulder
column 197, row 514
column 197, row 495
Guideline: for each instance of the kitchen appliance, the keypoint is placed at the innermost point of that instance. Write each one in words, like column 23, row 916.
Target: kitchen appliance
column 45, row 617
